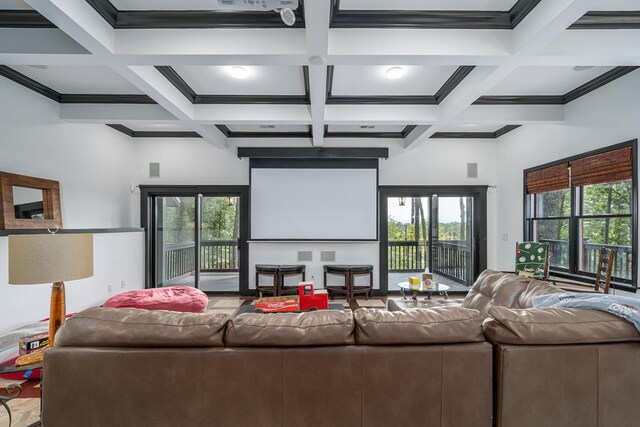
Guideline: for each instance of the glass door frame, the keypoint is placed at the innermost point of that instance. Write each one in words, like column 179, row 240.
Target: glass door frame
column 148, row 196
column 479, row 195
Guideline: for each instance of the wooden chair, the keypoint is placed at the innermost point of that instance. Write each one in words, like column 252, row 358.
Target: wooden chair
column 603, row 276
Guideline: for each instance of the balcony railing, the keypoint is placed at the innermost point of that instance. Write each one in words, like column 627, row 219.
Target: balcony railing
column 452, row 258
column 622, row 267
column 215, row 256
column 408, row 256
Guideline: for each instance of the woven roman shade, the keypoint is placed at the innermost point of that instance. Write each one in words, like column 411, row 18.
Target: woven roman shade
column 551, row 178
column 611, row 166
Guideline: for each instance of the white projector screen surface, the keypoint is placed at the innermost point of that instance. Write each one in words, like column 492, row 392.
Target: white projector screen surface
column 314, row 204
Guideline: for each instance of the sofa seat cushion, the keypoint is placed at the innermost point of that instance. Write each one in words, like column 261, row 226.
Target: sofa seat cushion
column 315, row 328
column 131, row 327
column 554, row 326
column 176, row 298
column 438, row 325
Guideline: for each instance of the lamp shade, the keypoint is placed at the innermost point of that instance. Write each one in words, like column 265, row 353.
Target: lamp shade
column 49, row 258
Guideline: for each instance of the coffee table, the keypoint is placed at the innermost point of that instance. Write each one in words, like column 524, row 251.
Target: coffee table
column 13, row 390
column 439, row 289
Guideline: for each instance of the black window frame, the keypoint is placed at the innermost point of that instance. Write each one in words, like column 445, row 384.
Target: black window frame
column 576, row 215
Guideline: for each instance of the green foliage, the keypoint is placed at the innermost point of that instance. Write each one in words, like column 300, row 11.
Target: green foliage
column 219, row 219
column 599, row 199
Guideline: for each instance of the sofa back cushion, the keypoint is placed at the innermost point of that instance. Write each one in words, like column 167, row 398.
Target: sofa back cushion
column 556, row 326
column 442, row 325
column 535, row 288
column 132, row 327
column 315, row 328
column 495, row 288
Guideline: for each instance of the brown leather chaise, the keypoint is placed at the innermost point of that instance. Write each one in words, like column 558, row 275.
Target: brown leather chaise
column 128, row 367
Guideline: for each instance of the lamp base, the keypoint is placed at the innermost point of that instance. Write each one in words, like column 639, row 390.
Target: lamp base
column 58, row 310
column 57, row 316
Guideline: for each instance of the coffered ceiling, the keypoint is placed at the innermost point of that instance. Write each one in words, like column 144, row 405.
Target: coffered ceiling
column 408, row 70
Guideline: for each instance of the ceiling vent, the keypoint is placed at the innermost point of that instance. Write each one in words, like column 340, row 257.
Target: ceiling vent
column 367, row 127
column 154, row 170
column 267, row 127
column 472, row 170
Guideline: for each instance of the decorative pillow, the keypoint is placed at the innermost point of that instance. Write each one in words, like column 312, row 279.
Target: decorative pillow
column 178, row 298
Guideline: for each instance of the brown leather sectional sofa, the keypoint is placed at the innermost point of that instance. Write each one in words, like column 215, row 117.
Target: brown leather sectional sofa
column 430, row 367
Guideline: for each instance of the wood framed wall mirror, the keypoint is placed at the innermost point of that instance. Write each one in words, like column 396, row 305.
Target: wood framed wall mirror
column 27, row 202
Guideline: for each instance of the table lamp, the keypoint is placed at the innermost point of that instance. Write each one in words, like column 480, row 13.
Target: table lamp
column 50, row 258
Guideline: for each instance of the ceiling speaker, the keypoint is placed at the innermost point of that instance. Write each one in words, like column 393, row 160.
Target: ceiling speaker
column 472, row 170
column 154, row 170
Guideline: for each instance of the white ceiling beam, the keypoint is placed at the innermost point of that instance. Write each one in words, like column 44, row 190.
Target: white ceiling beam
column 540, row 27
column 211, row 42
column 115, row 113
column 153, row 83
column 615, row 5
column 317, row 17
column 38, row 41
column 252, row 114
column 414, row 42
column 80, row 21
column 510, row 114
column 381, row 114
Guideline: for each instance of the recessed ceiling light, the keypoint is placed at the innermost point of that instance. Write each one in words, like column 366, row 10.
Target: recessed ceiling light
column 238, row 72
column 316, row 60
column 394, row 73
column 582, row 67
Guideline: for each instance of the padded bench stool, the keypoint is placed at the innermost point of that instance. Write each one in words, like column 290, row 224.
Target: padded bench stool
column 361, row 270
column 270, row 270
column 287, row 271
column 338, row 270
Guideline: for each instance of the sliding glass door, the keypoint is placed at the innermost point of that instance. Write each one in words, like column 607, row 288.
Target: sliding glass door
column 452, row 238
column 175, row 237
column 439, row 228
column 196, row 238
column 219, row 241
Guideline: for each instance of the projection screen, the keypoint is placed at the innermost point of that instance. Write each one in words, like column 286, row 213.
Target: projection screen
column 313, row 204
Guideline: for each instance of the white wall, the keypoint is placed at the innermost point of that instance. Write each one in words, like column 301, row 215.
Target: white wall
column 93, row 164
column 605, row 117
column 437, row 162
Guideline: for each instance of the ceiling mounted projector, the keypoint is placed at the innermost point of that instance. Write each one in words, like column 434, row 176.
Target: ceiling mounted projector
column 284, row 7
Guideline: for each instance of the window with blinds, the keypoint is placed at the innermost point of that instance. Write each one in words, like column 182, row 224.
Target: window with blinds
column 582, row 204
column 610, row 166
